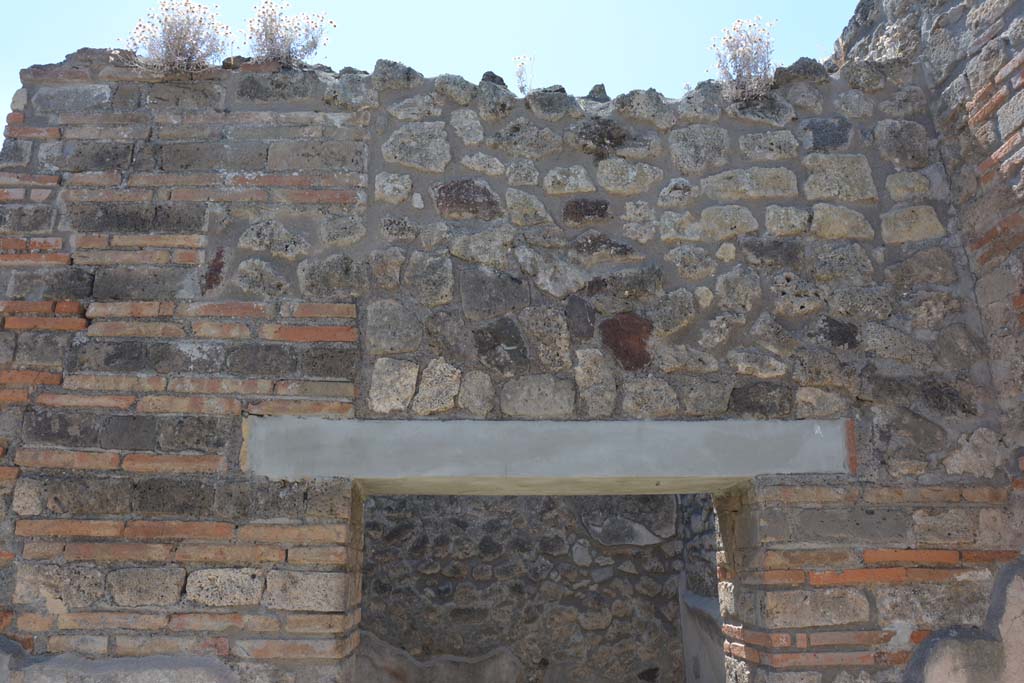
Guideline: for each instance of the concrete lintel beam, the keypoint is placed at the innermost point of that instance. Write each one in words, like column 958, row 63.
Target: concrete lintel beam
column 477, row 457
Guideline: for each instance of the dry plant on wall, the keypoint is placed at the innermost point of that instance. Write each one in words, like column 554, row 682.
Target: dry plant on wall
column 524, row 74
column 273, row 36
column 180, row 36
column 743, row 57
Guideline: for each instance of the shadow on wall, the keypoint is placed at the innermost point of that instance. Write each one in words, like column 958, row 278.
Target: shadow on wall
column 575, row 588
column 994, row 654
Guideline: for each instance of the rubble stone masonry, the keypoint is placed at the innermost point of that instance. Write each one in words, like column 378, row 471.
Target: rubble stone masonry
column 181, row 255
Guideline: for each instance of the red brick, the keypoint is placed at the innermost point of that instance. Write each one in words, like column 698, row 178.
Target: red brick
column 33, row 260
column 148, row 646
column 932, row 494
column 911, row 557
column 27, row 642
column 315, row 389
column 8, row 474
column 214, row 531
column 111, row 621
column 55, row 324
column 322, row 311
column 216, row 385
column 71, row 460
column 341, row 197
column 754, row 637
column 296, row 180
column 330, row 648
column 989, row 556
column 919, row 636
column 204, row 464
column 158, row 241
column 115, row 382
column 46, row 243
column 919, row 575
column 13, row 243
column 849, row 638
column 309, row 534
column 28, row 378
column 984, row 111
column 82, row 644
column 321, row 623
column 107, row 195
column 135, row 329
column 117, row 552
column 189, row 405
column 35, row 623
column 68, row 308
column 130, row 309
column 985, row 494
column 227, row 309
column 65, row 308
column 93, row 178
column 188, row 257
column 1010, row 67
column 119, row 133
column 171, row 179
column 111, row 401
column 1003, row 247
column 206, row 194
column 1000, row 154
column 215, row 330
column 318, row 555
column 854, row 577
column 741, row 651
column 798, row 660
column 16, row 117
column 300, row 407
column 41, row 550
column 98, row 257
column 1002, row 227
column 12, row 194
column 8, row 307
column 28, row 179
column 207, row 553
column 69, row 528
column 32, row 133
column 311, row 333
column 200, row 621
column 10, row 396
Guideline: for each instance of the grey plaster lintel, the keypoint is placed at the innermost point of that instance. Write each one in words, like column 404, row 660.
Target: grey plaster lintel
column 477, row 457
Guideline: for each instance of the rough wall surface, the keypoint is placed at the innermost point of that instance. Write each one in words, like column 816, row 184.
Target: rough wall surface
column 181, row 254
column 578, row 588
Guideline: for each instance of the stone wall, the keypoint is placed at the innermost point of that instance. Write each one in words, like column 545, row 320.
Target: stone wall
column 181, row 255
column 577, row 588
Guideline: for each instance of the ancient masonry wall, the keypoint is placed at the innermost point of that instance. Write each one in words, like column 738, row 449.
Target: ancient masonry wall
column 180, row 255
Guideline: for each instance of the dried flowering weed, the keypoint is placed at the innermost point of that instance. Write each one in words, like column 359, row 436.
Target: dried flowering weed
column 179, row 36
column 524, row 73
column 273, row 36
column 743, row 57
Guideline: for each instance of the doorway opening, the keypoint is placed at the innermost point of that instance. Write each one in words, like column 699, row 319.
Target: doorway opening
column 541, row 589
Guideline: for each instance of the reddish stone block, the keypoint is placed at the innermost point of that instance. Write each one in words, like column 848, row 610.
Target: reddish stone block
column 626, row 334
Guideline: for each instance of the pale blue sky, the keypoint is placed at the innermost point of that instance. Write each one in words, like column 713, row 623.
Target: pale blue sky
column 575, row 43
